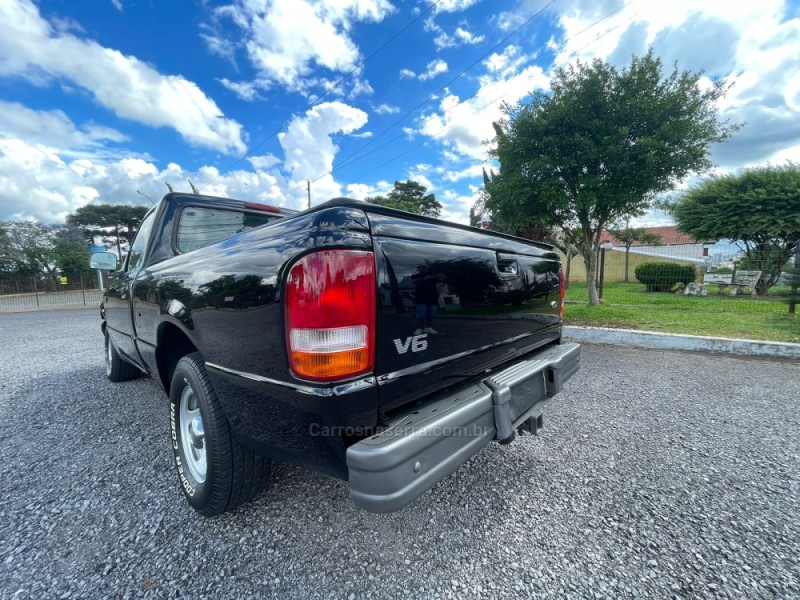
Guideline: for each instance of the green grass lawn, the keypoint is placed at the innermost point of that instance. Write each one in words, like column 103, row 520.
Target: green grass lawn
column 629, row 306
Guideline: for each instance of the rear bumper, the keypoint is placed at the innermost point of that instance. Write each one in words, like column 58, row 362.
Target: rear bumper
column 389, row 470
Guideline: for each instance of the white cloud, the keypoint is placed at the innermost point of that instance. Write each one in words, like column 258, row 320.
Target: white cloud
column 117, row 4
column 264, row 162
column 467, row 37
column 444, row 40
column 460, row 36
column 462, row 127
column 360, row 191
column 123, row 84
column 309, row 147
column 286, row 40
column 39, row 184
column 419, row 177
column 387, row 109
column 66, row 25
column 218, row 45
column 504, row 64
column 53, row 128
column 454, row 5
column 40, row 180
column 456, row 206
column 246, row 90
column 474, row 171
column 434, row 68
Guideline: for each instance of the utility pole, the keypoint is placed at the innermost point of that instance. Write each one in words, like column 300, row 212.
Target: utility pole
column 308, row 188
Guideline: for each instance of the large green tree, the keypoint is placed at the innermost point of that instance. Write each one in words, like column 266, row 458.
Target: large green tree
column 116, row 224
column 8, row 256
column 33, row 248
column 757, row 208
column 410, row 196
column 598, row 147
column 27, row 248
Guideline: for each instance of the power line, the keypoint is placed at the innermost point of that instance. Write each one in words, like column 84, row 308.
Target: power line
column 351, row 159
column 445, row 86
column 394, row 158
column 492, row 102
column 325, row 95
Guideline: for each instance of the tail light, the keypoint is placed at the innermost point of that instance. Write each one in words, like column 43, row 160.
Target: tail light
column 330, row 315
column 563, row 287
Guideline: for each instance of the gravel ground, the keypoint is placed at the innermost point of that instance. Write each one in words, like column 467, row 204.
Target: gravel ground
column 652, row 477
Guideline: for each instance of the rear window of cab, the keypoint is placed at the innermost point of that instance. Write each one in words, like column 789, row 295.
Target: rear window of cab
column 202, row 226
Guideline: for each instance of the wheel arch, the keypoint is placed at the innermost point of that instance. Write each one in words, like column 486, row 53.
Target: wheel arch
column 172, row 344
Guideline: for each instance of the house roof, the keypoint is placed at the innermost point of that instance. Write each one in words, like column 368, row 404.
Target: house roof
column 670, row 236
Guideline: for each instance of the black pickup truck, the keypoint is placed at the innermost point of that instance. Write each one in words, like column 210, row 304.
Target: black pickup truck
column 367, row 343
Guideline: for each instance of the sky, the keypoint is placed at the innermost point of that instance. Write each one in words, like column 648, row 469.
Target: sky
column 110, row 100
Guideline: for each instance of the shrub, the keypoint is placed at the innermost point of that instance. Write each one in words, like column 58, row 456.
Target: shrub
column 661, row 277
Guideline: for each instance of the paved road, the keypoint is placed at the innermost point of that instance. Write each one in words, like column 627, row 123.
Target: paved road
column 657, row 474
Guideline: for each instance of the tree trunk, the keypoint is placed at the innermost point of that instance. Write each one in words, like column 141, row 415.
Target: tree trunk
column 795, row 278
column 569, row 269
column 590, row 262
column 627, row 256
column 763, row 285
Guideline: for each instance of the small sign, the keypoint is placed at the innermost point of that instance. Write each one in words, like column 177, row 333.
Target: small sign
column 62, row 280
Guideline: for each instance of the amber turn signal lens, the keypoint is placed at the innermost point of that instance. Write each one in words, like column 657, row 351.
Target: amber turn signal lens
column 330, row 315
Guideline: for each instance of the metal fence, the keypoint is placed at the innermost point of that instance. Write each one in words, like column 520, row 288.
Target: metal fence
column 722, row 277
column 30, row 291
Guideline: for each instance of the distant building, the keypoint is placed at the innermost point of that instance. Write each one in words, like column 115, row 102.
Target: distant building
column 678, row 245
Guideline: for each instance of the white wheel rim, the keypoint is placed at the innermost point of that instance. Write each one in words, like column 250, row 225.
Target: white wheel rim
column 193, row 439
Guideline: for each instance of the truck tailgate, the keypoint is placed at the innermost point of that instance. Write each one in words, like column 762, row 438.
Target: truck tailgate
column 454, row 302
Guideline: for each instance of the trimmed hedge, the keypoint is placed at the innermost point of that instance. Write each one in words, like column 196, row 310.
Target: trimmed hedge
column 662, row 277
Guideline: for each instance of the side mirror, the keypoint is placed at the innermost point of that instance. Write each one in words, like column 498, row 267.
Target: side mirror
column 105, row 261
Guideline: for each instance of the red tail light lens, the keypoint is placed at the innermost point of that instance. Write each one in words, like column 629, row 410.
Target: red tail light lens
column 330, row 314
column 563, row 285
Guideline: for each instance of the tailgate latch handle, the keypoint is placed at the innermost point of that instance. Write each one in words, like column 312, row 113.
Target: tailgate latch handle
column 507, row 265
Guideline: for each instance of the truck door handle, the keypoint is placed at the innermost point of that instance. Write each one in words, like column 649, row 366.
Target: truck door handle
column 507, row 265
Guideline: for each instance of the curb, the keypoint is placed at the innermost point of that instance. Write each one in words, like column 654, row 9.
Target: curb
column 678, row 341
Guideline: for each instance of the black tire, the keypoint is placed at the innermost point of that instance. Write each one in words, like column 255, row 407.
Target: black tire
column 228, row 474
column 117, row 368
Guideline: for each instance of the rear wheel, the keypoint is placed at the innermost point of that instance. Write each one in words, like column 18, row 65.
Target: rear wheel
column 117, row 368
column 216, row 473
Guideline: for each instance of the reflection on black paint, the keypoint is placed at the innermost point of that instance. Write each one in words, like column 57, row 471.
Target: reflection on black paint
column 494, row 305
column 469, row 278
column 477, row 284
column 225, row 292
column 232, row 292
